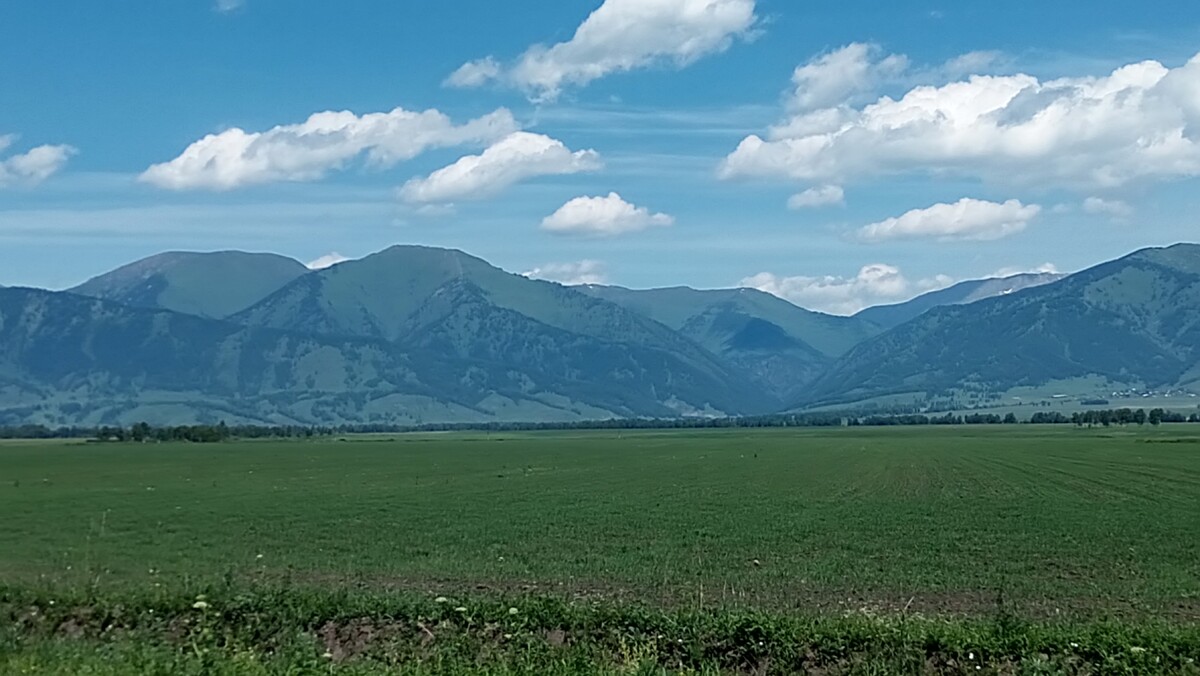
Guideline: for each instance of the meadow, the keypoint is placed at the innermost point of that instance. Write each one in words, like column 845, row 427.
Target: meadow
column 908, row 535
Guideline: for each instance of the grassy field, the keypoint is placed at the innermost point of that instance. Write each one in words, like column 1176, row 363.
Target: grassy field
column 1053, row 526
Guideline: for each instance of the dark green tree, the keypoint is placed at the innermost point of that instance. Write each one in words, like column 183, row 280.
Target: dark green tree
column 140, row 432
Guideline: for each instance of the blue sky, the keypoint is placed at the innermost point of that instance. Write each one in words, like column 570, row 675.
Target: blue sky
column 836, row 153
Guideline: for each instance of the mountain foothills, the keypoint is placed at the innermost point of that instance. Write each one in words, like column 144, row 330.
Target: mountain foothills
column 415, row 335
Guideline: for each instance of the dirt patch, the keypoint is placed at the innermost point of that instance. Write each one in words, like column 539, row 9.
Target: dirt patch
column 556, row 638
column 346, row 640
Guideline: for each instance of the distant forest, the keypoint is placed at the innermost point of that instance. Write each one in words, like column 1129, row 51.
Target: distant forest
column 144, row 432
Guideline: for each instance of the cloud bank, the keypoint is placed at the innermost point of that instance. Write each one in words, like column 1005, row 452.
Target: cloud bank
column 874, row 284
column 325, row 142
column 1137, row 123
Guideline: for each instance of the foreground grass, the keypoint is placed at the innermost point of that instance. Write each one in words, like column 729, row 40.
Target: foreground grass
column 958, row 550
column 276, row 631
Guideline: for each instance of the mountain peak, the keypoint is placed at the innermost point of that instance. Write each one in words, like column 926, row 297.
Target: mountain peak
column 1184, row 256
column 212, row 284
column 430, row 259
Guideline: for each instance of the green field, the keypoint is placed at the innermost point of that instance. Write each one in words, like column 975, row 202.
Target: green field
column 950, row 527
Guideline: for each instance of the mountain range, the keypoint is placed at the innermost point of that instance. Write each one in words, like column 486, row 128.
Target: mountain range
column 415, row 335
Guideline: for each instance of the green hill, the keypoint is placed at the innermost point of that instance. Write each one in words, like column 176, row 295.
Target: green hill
column 214, row 285
column 780, row 345
column 67, row 359
column 1134, row 320
column 468, row 311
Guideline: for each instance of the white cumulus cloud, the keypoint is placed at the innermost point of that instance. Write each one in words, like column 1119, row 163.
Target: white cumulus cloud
column 832, row 78
column 621, row 35
column 1139, row 122
column 517, row 157
column 966, row 219
column 229, row 5
column 874, row 284
column 1112, row 208
column 820, row 196
column 474, row 73
column 571, row 274
column 970, row 63
column 603, row 216
column 325, row 142
column 1011, row 271
column 845, row 75
column 33, row 166
column 327, row 261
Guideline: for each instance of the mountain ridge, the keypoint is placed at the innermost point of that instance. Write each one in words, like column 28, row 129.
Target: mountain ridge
column 1135, row 320
column 962, row 293
column 417, row 334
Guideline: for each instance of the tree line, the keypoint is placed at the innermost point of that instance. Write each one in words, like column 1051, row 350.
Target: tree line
column 1118, row 416
column 1104, row 418
column 144, row 432
column 948, row 419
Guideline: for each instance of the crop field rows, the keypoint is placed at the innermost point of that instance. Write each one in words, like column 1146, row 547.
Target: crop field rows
column 1045, row 525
